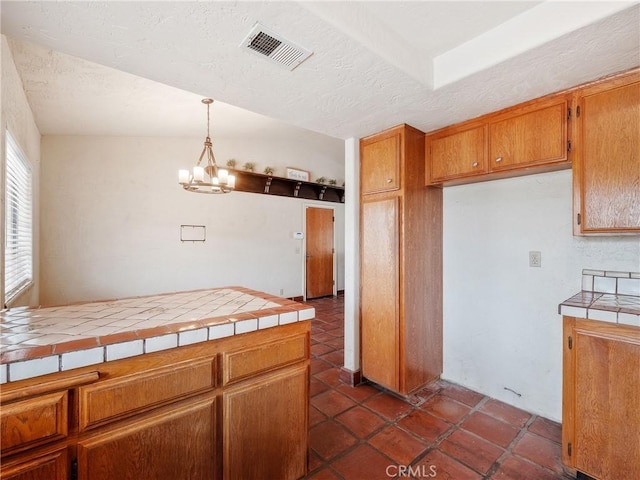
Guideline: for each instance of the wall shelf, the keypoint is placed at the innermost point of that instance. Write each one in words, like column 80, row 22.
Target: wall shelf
column 285, row 187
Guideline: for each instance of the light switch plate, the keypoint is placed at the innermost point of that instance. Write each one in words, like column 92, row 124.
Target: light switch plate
column 535, row 259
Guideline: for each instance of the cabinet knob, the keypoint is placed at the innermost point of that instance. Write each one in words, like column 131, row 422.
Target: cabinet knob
column 498, row 159
column 474, row 164
column 389, row 180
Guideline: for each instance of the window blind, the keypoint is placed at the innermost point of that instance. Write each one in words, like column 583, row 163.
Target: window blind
column 18, row 246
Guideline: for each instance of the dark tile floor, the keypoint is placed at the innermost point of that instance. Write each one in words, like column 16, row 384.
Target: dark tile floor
column 444, row 431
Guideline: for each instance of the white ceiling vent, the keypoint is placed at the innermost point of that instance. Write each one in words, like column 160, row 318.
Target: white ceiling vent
column 275, row 48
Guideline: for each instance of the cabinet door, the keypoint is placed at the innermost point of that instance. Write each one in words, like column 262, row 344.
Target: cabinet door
column 457, row 153
column 40, row 466
column 537, row 135
column 603, row 401
column 380, row 163
column 172, row 443
column 607, row 167
column 379, row 284
column 265, row 426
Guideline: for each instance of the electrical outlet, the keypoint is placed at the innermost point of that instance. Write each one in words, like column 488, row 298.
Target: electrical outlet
column 535, row 259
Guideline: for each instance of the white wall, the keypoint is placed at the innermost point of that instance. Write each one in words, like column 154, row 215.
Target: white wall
column 112, row 210
column 501, row 322
column 352, row 254
column 18, row 118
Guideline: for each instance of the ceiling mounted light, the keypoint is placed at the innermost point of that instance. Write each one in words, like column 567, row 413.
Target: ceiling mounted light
column 207, row 178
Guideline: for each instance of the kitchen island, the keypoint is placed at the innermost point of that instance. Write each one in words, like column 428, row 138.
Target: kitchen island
column 194, row 385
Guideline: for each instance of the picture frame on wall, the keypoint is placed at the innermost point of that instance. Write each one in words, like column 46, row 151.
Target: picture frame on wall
column 297, row 174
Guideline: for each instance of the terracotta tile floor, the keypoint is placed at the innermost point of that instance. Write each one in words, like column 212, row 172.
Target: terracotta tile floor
column 444, row 431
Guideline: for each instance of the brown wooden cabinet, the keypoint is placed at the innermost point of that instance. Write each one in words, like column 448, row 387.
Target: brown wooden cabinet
column 34, row 421
column 533, row 134
column 606, row 166
column 401, row 264
column 43, row 464
column 161, row 415
column 265, row 426
column 178, row 442
column 601, row 399
column 380, row 164
column 528, row 138
column 457, row 152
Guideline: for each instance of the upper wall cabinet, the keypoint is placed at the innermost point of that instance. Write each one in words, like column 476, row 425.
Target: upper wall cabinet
column 606, row 167
column 380, row 164
column 457, row 152
column 534, row 134
column 528, row 138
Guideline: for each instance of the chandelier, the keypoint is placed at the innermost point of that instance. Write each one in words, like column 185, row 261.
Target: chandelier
column 207, row 178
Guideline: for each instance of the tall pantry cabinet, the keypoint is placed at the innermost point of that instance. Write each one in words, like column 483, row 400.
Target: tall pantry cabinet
column 401, row 263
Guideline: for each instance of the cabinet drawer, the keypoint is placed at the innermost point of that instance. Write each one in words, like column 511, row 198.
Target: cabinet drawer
column 110, row 399
column 33, row 422
column 245, row 363
column 47, row 464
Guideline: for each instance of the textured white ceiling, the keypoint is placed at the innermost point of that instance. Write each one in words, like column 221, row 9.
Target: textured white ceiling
column 375, row 64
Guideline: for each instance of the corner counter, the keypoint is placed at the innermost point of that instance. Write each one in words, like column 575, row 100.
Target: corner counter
column 204, row 384
column 601, row 376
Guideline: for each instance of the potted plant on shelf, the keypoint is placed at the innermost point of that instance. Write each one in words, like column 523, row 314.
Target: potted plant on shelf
column 249, row 166
column 231, row 163
column 268, row 170
column 321, row 180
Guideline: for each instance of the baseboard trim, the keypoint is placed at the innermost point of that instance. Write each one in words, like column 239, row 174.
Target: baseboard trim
column 350, row 377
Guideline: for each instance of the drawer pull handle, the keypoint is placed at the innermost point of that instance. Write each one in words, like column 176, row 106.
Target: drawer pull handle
column 498, row 160
column 474, row 164
column 389, row 180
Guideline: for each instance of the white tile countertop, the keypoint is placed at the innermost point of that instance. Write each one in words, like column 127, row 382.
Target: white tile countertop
column 39, row 341
column 606, row 296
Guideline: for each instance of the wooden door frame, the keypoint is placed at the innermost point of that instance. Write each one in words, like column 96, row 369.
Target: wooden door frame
column 304, row 248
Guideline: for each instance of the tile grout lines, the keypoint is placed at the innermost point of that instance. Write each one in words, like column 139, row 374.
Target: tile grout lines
column 335, row 407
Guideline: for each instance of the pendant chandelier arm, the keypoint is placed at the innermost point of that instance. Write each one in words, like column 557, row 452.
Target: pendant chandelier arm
column 201, row 156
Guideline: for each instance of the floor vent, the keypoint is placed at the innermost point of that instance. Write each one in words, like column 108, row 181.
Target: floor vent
column 268, row 44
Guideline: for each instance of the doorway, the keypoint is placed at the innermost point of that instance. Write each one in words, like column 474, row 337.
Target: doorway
column 320, row 252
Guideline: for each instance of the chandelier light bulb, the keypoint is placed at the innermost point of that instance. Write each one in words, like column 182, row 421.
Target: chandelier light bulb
column 198, row 174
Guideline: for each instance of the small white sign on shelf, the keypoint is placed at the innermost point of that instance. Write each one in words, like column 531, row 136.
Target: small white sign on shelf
column 295, row 174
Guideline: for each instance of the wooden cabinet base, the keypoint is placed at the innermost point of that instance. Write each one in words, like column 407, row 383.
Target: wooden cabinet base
column 261, row 441
column 236, row 408
column 601, row 399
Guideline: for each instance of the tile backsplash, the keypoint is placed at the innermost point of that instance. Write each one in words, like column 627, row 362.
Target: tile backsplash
column 606, row 296
column 604, row 281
